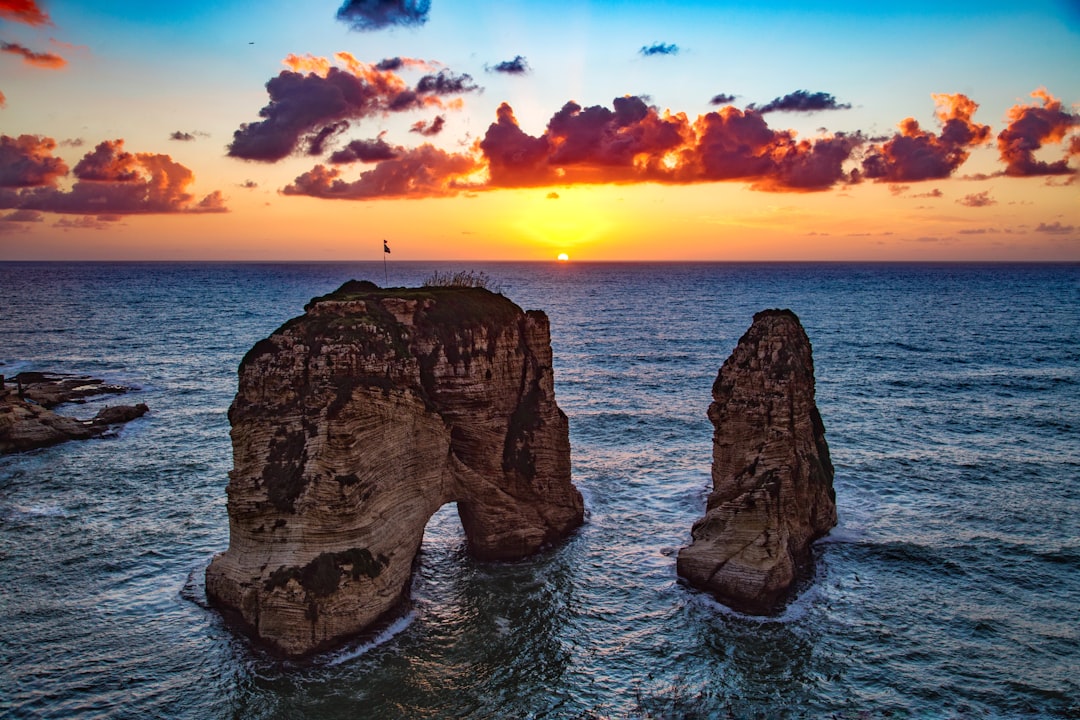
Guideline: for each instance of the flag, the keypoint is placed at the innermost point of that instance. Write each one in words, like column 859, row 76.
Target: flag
column 385, row 247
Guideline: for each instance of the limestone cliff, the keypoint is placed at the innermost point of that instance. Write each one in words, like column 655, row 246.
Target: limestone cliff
column 772, row 476
column 27, row 421
column 354, row 423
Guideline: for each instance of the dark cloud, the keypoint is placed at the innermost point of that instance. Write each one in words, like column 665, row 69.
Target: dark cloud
column 446, row 83
column 27, row 161
column 429, row 129
column 659, row 48
column 365, row 151
column 23, row 216
column 249, row 184
column 380, row 14
column 517, row 66
column 802, row 101
column 306, row 109
column 40, row 59
column 317, row 141
column 1054, row 228
column 722, row 99
column 24, row 11
column 914, row 154
column 982, row 199
column 1032, row 126
column 181, row 136
column 109, row 181
column 425, row 171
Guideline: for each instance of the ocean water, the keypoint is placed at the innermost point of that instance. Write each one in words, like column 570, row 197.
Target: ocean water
column 949, row 589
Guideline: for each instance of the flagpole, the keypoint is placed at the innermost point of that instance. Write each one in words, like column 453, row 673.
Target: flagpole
column 385, row 280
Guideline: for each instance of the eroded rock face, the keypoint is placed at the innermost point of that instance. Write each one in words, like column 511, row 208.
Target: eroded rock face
column 772, row 476
column 354, row 423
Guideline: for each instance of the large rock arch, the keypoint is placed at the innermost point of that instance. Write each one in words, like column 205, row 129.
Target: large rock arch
column 354, row 423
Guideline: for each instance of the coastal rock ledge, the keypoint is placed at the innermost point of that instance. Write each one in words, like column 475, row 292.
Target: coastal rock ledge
column 772, row 476
column 354, row 423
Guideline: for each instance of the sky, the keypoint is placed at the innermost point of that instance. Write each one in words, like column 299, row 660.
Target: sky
column 599, row 129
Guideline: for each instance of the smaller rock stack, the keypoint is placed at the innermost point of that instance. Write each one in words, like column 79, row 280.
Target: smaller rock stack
column 772, row 477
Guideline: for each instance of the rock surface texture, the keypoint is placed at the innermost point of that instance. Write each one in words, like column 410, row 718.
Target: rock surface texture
column 354, row 423
column 772, row 477
column 27, row 421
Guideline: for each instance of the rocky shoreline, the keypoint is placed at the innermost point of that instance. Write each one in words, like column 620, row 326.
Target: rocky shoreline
column 27, row 421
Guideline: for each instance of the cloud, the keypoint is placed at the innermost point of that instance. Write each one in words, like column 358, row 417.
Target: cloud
column 249, row 184
column 23, row 216
column 802, row 101
column 379, row 14
column 365, row 151
column 181, row 136
column 722, row 99
column 935, row 193
column 27, row 161
column 24, row 11
column 914, row 154
column 517, row 66
column 109, row 181
column 39, row 59
column 659, row 48
column 86, row 222
column 553, row 196
column 1032, row 126
column 3, row 100
column 425, row 171
column 1055, row 228
column 428, row 129
column 306, row 108
column 982, row 199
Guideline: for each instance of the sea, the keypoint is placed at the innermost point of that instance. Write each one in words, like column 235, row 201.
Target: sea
column 950, row 588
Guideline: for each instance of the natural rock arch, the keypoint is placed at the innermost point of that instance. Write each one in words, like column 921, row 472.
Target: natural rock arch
column 354, row 423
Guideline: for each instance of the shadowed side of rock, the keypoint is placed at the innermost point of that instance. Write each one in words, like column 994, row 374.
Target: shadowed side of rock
column 354, row 423
column 772, row 476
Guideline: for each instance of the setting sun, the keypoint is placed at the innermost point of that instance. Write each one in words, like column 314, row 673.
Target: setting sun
column 563, row 257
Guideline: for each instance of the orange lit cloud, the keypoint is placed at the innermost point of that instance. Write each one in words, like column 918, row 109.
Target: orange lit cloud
column 24, row 11
column 425, row 171
column 109, row 181
column 314, row 100
column 27, row 161
column 1032, row 126
column 914, row 154
column 44, row 59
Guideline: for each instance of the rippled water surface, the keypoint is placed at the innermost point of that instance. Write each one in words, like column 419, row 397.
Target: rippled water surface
column 950, row 588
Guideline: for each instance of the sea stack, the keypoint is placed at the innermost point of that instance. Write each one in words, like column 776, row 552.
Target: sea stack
column 354, row 423
column 772, row 477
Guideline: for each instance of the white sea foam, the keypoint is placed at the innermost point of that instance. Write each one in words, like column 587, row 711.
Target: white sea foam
column 389, row 633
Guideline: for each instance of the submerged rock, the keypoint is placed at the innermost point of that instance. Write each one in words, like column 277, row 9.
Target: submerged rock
column 772, row 476
column 354, row 423
column 28, row 423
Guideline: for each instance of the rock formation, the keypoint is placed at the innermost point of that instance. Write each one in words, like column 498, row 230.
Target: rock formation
column 27, row 421
column 354, row 423
column 772, row 477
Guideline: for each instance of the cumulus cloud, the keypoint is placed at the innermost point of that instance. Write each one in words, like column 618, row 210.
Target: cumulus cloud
column 308, row 103
column 1032, row 126
column 517, row 66
column 24, row 11
column 427, row 129
column 27, row 161
column 425, row 171
column 380, row 14
column 367, row 151
column 659, row 48
column 109, row 181
column 38, row 59
column 914, row 154
column 722, row 99
column 802, row 101
column 982, row 199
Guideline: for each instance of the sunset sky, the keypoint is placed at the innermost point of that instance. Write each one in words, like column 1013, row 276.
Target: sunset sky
column 603, row 129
